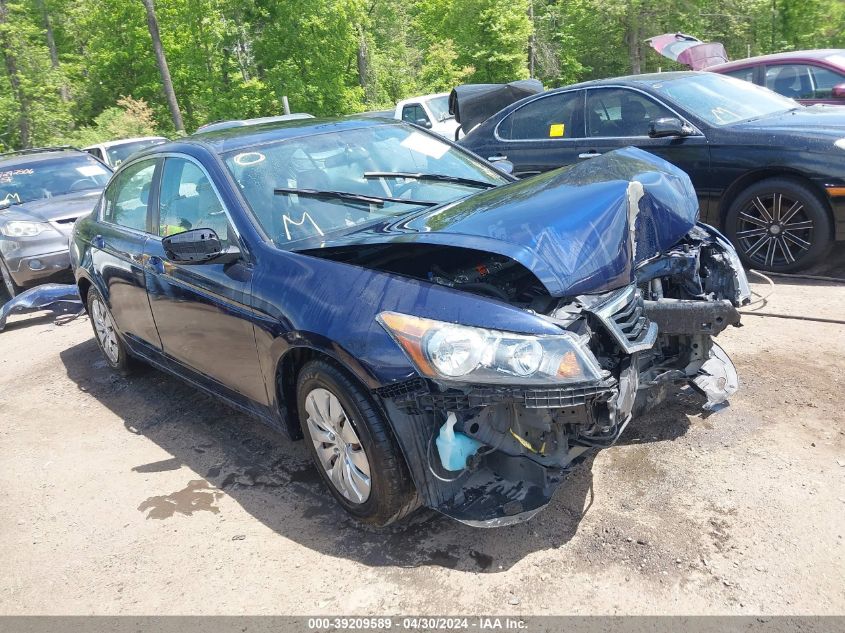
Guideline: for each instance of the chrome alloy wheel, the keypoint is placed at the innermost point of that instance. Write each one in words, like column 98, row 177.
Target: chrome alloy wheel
column 337, row 445
column 774, row 230
column 104, row 328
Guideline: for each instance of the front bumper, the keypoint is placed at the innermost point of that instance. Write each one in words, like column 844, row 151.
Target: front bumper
column 507, row 482
column 31, row 260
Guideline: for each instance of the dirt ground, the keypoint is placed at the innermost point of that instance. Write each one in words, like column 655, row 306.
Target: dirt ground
column 143, row 496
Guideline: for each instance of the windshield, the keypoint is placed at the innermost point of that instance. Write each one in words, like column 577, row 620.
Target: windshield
column 119, row 153
column 721, row 100
column 38, row 179
column 381, row 170
column 439, row 107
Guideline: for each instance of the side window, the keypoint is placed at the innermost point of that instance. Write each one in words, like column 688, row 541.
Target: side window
column 413, row 113
column 824, row 80
column 615, row 112
column 127, row 197
column 746, row 74
column 187, row 200
column 790, row 80
column 95, row 152
column 549, row 117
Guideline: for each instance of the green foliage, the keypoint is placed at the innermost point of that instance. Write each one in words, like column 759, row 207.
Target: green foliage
column 235, row 59
column 130, row 118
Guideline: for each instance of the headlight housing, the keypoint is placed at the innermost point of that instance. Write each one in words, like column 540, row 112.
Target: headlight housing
column 461, row 353
column 23, row 228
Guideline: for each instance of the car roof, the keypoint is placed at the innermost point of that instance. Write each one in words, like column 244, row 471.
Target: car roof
column 818, row 53
column 231, row 139
column 630, row 80
column 36, row 155
column 124, row 141
column 225, row 125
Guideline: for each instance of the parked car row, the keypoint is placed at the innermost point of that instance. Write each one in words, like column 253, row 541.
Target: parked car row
column 453, row 325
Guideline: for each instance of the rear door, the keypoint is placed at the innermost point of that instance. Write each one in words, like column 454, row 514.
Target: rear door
column 202, row 311
column 117, row 251
column 545, row 133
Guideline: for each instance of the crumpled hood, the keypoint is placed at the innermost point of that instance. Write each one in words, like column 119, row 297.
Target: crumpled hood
column 580, row 229
column 71, row 205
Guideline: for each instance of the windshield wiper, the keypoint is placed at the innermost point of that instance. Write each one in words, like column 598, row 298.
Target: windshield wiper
column 470, row 182
column 378, row 201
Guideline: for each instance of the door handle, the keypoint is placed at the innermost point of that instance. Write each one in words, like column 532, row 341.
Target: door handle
column 496, row 157
column 590, row 154
column 98, row 242
column 156, row 264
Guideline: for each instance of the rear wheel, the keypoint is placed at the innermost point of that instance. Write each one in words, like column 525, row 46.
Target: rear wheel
column 10, row 288
column 106, row 335
column 779, row 225
column 352, row 446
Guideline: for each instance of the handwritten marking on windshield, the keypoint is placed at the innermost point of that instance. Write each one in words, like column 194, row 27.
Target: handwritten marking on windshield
column 7, row 176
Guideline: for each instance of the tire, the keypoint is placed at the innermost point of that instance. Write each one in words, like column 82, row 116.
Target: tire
column 344, row 456
column 105, row 333
column 9, row 288
column 754, row 223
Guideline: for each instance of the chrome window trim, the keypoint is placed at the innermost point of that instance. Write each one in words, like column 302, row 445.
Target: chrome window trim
column 696, row 130
column 191, row 159
column 101, row 204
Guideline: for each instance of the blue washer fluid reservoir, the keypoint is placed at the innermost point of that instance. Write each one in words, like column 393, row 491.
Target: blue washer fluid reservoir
column 454, row 448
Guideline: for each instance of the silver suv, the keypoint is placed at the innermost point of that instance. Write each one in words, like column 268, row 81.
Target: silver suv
column 42, row 193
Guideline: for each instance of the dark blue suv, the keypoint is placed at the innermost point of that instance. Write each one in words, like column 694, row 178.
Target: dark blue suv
column 439, row 333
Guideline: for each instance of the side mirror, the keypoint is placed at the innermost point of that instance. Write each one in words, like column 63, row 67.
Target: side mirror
column 198, row 246
column 838, row 92
column 423, row 123
column 666, row 126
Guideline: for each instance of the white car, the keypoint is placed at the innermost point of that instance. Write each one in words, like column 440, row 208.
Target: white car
column 112, row 153
column 430, row 111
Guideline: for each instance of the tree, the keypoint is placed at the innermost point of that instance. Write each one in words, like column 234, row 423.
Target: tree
column 167, row 84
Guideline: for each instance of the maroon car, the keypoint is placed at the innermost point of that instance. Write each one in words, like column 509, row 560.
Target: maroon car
column 816, row 76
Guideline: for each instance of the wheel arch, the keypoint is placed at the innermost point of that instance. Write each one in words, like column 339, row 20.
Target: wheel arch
column 752, row 178
column 291, row 362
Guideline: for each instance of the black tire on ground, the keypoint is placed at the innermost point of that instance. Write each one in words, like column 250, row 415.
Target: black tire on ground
column 112, row 346
column 779, row 225
column 392, row 495
column 9, row 289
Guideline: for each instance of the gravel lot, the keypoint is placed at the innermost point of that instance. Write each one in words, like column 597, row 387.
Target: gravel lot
column 143, row 496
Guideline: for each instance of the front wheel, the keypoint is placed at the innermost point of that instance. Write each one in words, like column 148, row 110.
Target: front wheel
column 779, row 225
column 352, row 446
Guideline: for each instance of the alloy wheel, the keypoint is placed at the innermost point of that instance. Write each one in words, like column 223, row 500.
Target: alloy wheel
column 337, row 445
column 104, row 328
column 774, row 230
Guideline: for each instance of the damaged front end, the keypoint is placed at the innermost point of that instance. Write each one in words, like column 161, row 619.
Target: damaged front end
column 495, row 420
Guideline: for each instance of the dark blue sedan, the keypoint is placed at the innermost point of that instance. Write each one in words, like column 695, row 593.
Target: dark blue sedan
column 439, row 333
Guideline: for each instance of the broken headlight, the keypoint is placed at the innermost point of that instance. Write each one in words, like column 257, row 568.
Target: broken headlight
column 460, row 353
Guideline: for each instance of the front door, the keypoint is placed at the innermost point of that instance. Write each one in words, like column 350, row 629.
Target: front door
column 202, row 310
column 620, row 117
